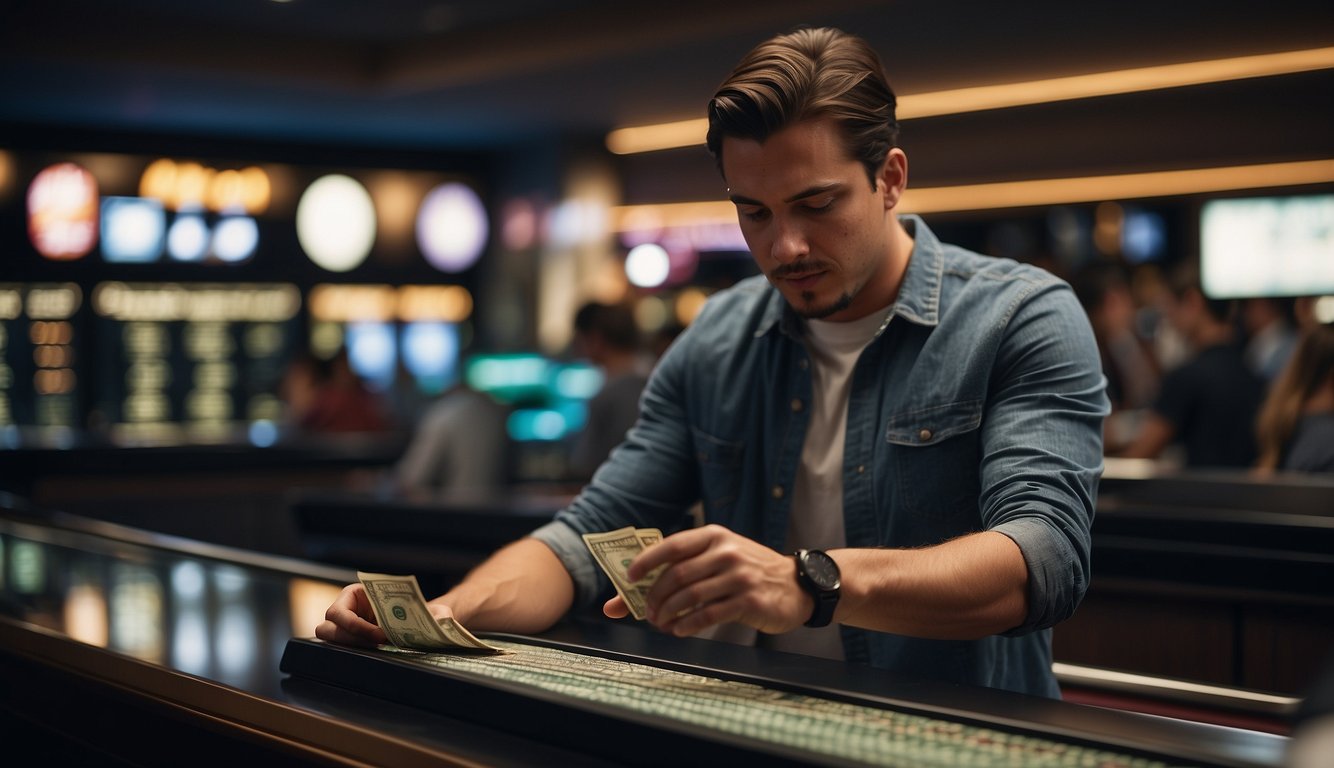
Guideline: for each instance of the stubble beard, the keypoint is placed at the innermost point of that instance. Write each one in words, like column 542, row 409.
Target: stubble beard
column 807, row 308
column 819, row 313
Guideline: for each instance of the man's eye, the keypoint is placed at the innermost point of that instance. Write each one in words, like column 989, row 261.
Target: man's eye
column 820, row 206
column 759, row 214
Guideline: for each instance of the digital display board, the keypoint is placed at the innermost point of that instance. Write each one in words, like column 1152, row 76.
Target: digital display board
column 39, row 382
column 1267, row 246
column 152, row 299
column 191, row 361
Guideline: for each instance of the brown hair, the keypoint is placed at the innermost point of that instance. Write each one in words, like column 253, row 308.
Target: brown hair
column 806, row 74
column 1311, row 367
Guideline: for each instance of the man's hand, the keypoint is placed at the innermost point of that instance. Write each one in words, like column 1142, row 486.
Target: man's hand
column 715, row 576
column 351, row 620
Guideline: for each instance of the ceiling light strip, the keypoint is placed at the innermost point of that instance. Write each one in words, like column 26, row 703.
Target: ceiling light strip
column 960, row 100
column 1128, row 186
column 685, row 133
column 1021, row 194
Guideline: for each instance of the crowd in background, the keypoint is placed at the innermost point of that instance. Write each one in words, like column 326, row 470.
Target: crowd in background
column 1194, row 382
column 1205, row 383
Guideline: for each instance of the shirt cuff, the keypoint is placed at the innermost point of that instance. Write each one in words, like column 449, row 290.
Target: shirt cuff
column 1054, row 579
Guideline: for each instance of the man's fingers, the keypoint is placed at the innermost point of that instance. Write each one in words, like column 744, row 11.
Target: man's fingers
column 332, row 633
column 677, row 603
column 615, row 608
column 674, row 548
column 700, row 617
column 350, row 620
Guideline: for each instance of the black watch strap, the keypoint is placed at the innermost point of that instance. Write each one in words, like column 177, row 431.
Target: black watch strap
column 818, row 574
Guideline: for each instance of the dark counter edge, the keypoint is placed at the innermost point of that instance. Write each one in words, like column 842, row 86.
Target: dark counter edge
column 384, row 676
column 305, row 737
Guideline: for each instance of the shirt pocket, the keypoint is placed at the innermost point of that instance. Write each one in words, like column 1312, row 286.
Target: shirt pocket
column 719, row 469
column 936, row 455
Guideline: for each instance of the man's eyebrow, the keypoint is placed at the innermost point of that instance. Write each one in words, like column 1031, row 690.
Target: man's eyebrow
column 813, row 191
column 805, row 193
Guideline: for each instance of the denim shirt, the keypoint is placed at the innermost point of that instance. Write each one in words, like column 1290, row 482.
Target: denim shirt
column 978, row 406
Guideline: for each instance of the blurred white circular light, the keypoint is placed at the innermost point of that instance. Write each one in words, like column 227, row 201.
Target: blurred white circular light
column 335, row 222
column 452, row 227
column 187, row 239
column 235, row 238
column 1324, row 309
column 647, row 265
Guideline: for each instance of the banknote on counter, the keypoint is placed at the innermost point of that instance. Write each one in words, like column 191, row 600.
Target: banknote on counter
column 400, row 610
column 613, row 551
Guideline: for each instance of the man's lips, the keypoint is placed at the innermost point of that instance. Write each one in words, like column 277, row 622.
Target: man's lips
column 803, row 280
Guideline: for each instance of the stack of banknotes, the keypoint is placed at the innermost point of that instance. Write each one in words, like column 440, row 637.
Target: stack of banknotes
column 400, row 610
column 614, row 551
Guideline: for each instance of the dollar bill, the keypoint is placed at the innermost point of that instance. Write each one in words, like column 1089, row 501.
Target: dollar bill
column 401, row 611
column 614, row 551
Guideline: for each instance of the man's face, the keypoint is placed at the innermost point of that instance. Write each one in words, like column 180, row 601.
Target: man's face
column 815, row 226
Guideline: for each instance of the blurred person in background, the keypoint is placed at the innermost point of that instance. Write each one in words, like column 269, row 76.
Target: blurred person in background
column 1296, row 424
column 328, row 396
column 459, row 447
column 1207, row 405
column 606, row 335
column 1128, row 361
column 1270, row 334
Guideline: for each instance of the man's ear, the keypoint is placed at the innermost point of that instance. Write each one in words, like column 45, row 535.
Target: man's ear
column 893, row 177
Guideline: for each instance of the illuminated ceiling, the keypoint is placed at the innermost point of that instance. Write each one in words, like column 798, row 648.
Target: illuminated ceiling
column 435, row 74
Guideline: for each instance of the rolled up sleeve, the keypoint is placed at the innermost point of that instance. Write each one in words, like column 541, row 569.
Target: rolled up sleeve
column 1042, row 449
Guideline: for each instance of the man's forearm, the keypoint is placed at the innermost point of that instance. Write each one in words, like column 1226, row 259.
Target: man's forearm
column 523, row 587
column 963, row 589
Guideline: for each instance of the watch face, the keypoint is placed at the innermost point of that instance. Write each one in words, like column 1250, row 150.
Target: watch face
column 822, row 570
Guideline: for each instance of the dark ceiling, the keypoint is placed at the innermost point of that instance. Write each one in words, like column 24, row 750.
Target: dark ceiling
column 451, row 74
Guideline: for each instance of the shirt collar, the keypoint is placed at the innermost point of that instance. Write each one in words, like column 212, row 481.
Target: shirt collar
column 919, row 296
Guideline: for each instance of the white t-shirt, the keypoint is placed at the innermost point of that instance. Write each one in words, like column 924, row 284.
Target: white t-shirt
column 816, row 519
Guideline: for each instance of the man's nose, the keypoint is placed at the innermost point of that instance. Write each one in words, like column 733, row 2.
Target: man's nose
column 789, row 242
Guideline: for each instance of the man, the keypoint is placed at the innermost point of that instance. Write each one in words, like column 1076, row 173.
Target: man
column 459, row 448
column 1208, row 404
column 948, row 510
column 606, row 335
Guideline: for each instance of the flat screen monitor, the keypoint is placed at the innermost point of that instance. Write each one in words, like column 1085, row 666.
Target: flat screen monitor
column 1267, row 246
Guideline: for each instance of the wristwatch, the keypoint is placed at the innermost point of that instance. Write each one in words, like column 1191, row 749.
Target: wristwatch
column 817, row 573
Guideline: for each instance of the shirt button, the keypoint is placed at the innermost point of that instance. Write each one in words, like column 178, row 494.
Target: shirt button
column 777, row 492
column 796, row 404
column 861, row 468
column 924, row 435
column 803, row 364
